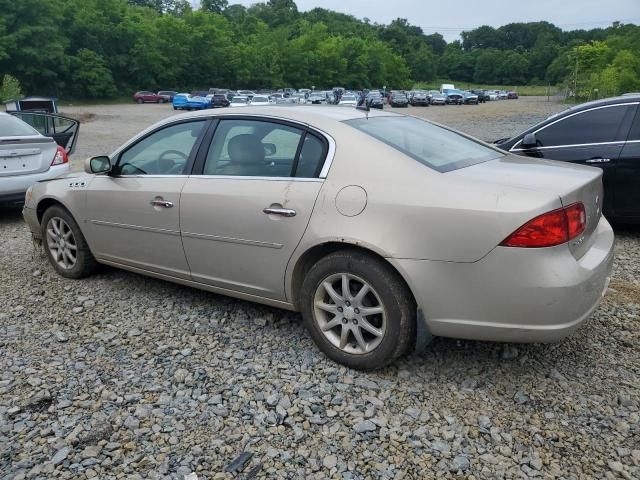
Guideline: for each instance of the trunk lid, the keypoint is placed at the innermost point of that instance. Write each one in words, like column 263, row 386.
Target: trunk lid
column 26, row 155
column 571, row 183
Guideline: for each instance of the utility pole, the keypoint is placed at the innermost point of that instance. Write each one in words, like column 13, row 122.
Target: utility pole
column 575, row 78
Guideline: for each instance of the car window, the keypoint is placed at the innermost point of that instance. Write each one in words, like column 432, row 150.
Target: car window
column 312, row 157
column 252, row 148
column 164, row 152
column 592, row 126
column 434, row 146
column 13, row 127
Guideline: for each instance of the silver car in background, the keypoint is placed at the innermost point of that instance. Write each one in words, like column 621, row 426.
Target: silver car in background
column 381, row 229
column 29, row 155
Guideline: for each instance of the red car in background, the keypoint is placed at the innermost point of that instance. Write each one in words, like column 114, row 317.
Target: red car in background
column 512, row 95
column 144, row 96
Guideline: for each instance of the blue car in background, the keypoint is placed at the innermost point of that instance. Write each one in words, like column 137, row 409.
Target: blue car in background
column 185, row 101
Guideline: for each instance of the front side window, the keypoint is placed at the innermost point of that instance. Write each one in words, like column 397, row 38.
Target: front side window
column 256, row 148
column 431, row 145
column 164, row 152
column 592, row 126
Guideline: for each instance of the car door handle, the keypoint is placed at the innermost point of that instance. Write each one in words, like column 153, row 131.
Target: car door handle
column 161, row 203
column 598, row 160
column 276, row 210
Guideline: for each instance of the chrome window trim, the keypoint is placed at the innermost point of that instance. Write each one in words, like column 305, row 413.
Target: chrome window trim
column 276, row 179
column 328, row 161
column 570, row 146
column 514, row 149
column 155, row 175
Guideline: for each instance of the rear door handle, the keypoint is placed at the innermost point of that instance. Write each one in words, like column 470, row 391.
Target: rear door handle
column 598, row 160
column 279, row 210
column 161, row 203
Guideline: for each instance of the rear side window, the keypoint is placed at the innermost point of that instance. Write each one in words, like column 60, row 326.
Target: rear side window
column 12, row 127
column 311, row 159
column 592, row 126
column 436, row 147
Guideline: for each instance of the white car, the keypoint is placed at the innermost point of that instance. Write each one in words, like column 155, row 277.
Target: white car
column 349, row 100
column 28, row 155
column 493, row 95
column 260, row 101
column 239, row 101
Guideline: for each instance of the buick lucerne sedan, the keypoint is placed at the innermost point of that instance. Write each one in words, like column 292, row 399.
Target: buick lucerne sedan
column 381, row 229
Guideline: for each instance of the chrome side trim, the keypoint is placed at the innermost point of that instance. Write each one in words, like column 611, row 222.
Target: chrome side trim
column 135, row 227
column 513, row 149
column 275, row 179
column 149, row 176
column 241, row 241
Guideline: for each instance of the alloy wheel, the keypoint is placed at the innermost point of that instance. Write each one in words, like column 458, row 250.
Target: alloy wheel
column 61, row 243
column 350, row 313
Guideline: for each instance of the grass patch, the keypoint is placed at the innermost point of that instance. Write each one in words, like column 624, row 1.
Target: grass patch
column 79, row 102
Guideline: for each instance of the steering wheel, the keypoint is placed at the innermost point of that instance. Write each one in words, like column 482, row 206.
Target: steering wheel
column 176, row 152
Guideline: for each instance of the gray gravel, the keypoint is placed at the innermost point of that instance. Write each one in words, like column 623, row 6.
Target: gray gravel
column 122, row 376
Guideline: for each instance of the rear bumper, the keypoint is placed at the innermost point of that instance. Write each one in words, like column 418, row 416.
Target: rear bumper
column 513, row 294
column 13, row 188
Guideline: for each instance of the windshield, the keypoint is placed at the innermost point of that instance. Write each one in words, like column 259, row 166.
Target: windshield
column 434, row 146
column 12, row 127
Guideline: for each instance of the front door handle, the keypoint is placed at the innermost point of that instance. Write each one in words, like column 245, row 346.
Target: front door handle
column 156, row 202
column 279, row 210
column 598, row 160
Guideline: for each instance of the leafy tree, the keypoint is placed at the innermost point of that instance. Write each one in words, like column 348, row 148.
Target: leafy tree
column 214, row 6
column 10, row 88
column 90, row 72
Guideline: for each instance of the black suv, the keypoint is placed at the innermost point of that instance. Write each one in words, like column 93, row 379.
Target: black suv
column 605, row 134
column 483, row 95
column 219, row 100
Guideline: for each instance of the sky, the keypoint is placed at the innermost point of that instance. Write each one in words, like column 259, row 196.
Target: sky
column 451, row 17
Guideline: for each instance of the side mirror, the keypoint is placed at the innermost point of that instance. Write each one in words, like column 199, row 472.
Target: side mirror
column 529, row 141
column 98, row 165
column 269, row 149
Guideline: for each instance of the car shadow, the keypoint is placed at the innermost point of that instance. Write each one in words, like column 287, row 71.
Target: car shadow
column 10, row 213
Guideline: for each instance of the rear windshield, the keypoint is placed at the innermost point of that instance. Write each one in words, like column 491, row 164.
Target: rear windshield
column 12, row 127
column 434, row 146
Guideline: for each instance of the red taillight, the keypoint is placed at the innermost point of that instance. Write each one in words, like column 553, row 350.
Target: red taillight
column 576, row 219
column 550, row 229
column 60, row 156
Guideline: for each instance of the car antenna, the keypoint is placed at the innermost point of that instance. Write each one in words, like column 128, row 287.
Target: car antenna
column 364, row 108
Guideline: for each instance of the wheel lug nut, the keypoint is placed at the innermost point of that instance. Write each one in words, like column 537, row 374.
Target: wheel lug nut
column 344, row 320
column 357, row 310
column 339, row 309
column 355, row 321
column 348, row 304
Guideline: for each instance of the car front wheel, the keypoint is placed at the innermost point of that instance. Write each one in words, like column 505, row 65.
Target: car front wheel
column 358, row 310
column 64, row 244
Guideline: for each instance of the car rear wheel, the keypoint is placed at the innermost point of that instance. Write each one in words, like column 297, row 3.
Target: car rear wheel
column 64, row 244
column 358, row 310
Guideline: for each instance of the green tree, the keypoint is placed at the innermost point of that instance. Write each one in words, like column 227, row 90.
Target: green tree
column 91, row 74
column 214, row 6
column 10, row 88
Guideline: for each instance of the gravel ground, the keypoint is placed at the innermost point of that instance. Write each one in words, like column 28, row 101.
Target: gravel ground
column 122, row 376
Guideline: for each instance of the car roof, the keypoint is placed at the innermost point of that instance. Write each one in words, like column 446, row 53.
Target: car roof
column 326, row 118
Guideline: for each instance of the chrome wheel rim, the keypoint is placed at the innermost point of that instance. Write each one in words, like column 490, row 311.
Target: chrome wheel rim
column 61, row 243
column 350, row 313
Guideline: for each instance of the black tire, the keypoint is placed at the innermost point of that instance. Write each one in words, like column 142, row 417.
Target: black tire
column 393, row 293
column 85, row 263
column 139, row 101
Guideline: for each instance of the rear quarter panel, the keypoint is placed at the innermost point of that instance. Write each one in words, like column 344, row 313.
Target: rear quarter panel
column 413, row 211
